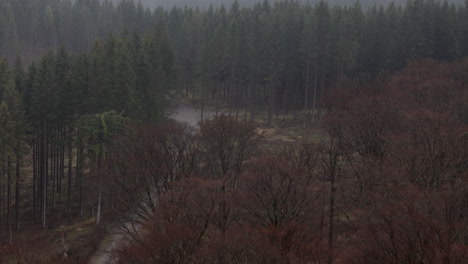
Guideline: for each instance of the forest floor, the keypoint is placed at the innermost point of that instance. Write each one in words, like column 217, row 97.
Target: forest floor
column 35, row 245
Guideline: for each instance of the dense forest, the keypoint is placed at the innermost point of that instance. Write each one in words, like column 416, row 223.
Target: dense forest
column 84, row 86
column 287, row 53
column 60, row 114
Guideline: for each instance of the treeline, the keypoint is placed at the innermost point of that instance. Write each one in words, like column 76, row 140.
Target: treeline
column 278, row 57
column 386, row 184
column 31, row 27
column 58, row 117
column 282, row 57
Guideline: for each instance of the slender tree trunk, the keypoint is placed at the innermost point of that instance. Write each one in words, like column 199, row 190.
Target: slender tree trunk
column 340, row 74
column 276, row 104
column 203, row 102
column 331, row 220
column 224, row 91
column 193, row 93
column 34, row 177
column 322, row 84
column 247, row 103
column 315, row 95
column 58, row 150
column 2, row 197
column 322, row 215
column 8, row 208
column 79, row 169
column 62, row 161
column 252, row 103
column 40, row 178
column 69, row 171
column 296, row 101
column 306, row 92
column 270, row 104
column 99, row 171
column 285, row 103
column 230, row 101
column 237, row 102
column 98, row 211
column 216, row 100
column 44, row 176
column 52, row 171
column 17, row 187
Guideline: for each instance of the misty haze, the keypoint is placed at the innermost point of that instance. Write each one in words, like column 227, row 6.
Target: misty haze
column 226, row 132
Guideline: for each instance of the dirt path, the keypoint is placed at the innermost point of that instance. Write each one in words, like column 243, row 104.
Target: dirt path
column 104, row 255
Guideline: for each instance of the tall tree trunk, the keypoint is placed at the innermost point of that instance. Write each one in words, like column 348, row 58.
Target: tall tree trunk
column 230, row 101
column 203, row 102
column 322, row 84
column 276, row 102
column 17, row 187
column 322, row 215
column 70, row 156
column 62, row 160
column 44, row 175
column 8, row 208
column 306, row 92
column 315, row 95
column 216, row 99
column 35, row 159
column 2, row 197
column 53, row 149
column 79, row 169
column 99, row 171
column 193, row 93
column 98, row 211
column 252, row 103
column 270, row 104
column 237, row 102
column 331, row 220
column 247, row 103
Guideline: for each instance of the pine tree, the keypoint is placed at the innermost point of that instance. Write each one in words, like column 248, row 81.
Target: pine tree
column 44, row 112
column 15, row 129
column 9, row 40
column 4, row 76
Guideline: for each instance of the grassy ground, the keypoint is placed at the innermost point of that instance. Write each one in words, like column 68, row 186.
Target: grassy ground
column 285, row 127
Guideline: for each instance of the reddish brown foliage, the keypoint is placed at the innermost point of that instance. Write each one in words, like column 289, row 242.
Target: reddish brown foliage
column 277, row 192
column 413, row 226
column 145, row 164
column 202, row 221
column 227, row 143
column 408, row 150
column 389, row 184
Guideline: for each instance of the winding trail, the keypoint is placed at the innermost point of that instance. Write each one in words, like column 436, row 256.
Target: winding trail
column 117, row 237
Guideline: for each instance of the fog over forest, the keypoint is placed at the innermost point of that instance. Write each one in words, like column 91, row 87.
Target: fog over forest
column 251, row 132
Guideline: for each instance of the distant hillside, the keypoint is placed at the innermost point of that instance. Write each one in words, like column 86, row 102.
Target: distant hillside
column 205, row 3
